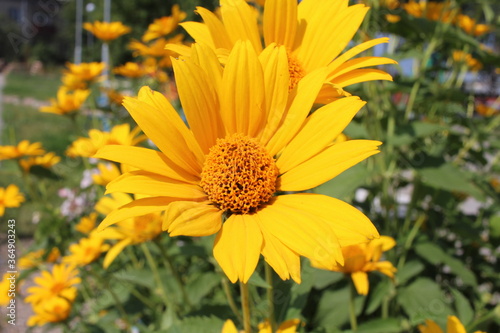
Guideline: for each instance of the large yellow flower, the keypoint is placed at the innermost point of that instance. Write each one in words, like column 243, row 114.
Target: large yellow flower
column 52, row 310
column 251, row 144
column 359, row 259
column 23, row 148
column 119, row 135
column 130, row 231
column 67, row 101
column 106, row 31
column 10, row 197
column 60, row 283
column 288, row 326
column 453, row 326
column 164, row 25
column 313, row 32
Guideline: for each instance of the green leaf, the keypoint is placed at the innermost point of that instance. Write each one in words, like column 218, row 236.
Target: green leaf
column 258, row 281
column 450, row 178
column 495, row 226
column 198, row 324
column 200, row 286
column 463, row 307
column 300, row 292
column 333, row 308
column 409, row 270
column 409, row 133
column 389, row 325
column 377, row 295
column 344, row 185
column 324, row 278
column 141, row 277
column 423, row 299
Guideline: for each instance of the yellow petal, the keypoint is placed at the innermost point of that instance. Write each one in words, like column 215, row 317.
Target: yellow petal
column 359, row 63
column 454, row 325
column 216, row 28
column 328, row 164
column 142, row 182
column 276, row 77
column 430, row 327
column 385, row 267
column 229, row 327
column 114, row 252
column 199, row 32
column 361, row 75
column 289, row 326
column 195, row 219
column 199, row 101
column 242, row 19
column 360, row 280
column 147, row 160
column 280, row 22
column 284, row 261
column 349, row 224
column 242, row 92
column 305, row 94
column 182, row 50
column 304, row 233
column 319, row 131
column 352, row 52
column 137, row 207
column 161, row 123
column 237, row 247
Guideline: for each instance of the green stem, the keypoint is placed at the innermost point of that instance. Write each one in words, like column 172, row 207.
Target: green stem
column 411, row 236
column 270, row 296
column 230, row 299
column 156, row 273
column 245, row 307
column 168, row 261
column 352, row 309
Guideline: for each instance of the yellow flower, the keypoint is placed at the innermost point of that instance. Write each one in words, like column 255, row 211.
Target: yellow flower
column 114, row 96
column 434, row 11
column 469, row 25
column 486, row 111
column 10, row 197
column 359, row 259
column 86, row 71
column 35, row 258
column 474, row 64
column 73, row 82
column 130, row 69
column 156, row 49
column 8, row 288
column 130, row 231
column 67, row 101
column 314, row 34
column 52, row 310
column 86, row 251
column 164, row 25
column 87, row 223
column 107, row 172
column 119, row 135
column 47, row 161
column 106, row 31
column 288, row 326
column 23, row 148
column 453, row 326
column 250, row 143
column 392, row 18
column 60, row 283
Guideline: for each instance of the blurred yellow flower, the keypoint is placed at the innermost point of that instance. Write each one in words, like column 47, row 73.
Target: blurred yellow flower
column 35, row 258
column 107, row 172
column 86, row 250
column 86, row 71
column 130, row 231
column 60, row 282
column 67, row 101
column 156, row 49
column 434, row 11
column 87, row 223
column 486, row 111
column 119, row 135
column 23, row 148
column 73, row 82
column 453, row 326
column 10, row 197
column 8, row 288
column 314, row 35
column 114, row 96
column 362, row 258
column 392, row 18
column 106, row 31
column 235, row 123
column 130, row 69
column 469, row 25
column 474, row 64
column 47, row 161
column 164, row 25
column 52, row 310
column 288, row 326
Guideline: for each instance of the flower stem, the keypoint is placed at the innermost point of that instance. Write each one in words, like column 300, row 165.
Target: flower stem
column 245, row 307
column 352, row 310
column 230, row 299
column 156, row 274
column 270, row 296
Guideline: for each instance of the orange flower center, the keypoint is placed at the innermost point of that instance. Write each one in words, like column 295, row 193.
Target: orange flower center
column 57, row 287
column 296, row 71
column 239, row 175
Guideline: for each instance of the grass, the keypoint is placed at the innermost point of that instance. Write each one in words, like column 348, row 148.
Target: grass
column 41, row 87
